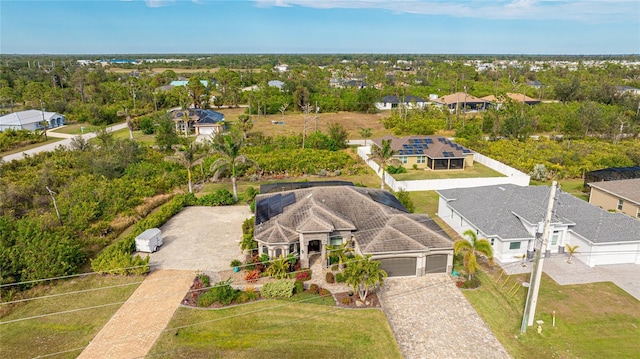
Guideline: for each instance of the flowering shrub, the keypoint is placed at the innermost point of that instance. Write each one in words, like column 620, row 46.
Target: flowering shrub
column 314, row 289
column 330, row 278
column 324, row 292
column 252, row 276
column 303, row 276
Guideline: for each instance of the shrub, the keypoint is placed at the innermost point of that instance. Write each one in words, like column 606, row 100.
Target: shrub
column 251, row 292
column 204, row 280
column 252, row 276
column 474, row 282
column 298, row 286
column 322, row 173
column 220, row 293
column 147, row 126
column 345, row 300
column 235, row 263
column 415, row 167
column 282, row 288
column 339, row 277
column 314, row 289
column 329, row 277
column 394, row 170
column 220, row 197
column 324, row 292
column 250, row 193
column 337, row 172
column 303, row 276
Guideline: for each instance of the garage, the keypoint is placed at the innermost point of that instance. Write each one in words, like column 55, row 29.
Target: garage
column 436, row 263
column 399, row 267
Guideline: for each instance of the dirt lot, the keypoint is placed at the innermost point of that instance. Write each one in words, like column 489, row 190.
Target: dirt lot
column 201, row 238
column 294, row 123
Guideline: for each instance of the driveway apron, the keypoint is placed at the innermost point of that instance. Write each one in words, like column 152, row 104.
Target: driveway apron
column 430, row 318
column 133, row 329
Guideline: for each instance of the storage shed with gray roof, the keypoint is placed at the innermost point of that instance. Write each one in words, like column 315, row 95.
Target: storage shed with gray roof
column 508, row 215
column 305, row 221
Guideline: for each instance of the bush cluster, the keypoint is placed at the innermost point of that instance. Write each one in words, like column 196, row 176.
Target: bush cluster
column 220, row 197
column 330, row 278
column 222, row 293
column 282, row 288
column 339, row 277
column 304, row 275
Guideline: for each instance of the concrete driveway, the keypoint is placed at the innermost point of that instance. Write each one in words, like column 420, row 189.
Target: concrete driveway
column 201, row 238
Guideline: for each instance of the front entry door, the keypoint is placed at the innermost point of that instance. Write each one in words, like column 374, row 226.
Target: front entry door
column 314, row 246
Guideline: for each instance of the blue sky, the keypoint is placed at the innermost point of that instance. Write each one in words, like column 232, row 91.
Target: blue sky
column 320, row 26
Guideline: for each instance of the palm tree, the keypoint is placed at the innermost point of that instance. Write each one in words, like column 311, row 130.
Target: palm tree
column 365, row 133
column 384, row 155
column 471, row 249
column 363, row 275
column 341, row 251
column 571, row 250
column 188, row 157
column 245, row 124
column 228, row 146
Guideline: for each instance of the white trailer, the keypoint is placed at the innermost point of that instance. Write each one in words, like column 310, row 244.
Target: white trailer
column 149, row 240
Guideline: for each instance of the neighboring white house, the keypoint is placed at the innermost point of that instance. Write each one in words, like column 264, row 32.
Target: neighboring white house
column 30, row 120
column 508, row 216
column 391, row 102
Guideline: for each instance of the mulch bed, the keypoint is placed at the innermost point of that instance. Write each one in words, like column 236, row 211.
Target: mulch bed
column 372, row 299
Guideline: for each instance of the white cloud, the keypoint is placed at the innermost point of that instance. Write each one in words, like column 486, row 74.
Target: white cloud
column 578, row 10
column 158, row 3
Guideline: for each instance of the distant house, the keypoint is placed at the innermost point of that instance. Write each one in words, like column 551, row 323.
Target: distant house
column 463, row 102
column 276, row 83
column 409, row 101
column 31, row 120
column 305, row 221
column 535, row 84
column 508, row 216
column 621, row 195
column 203, row 122
column 186, row 82
column 429, row 152
column 497, row 102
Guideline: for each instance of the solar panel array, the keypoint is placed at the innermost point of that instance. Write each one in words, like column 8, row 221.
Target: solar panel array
column 416, row 146
column 273, row 206
column 387, row 199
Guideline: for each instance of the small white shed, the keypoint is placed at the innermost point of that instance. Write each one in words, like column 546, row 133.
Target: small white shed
column 149, row 240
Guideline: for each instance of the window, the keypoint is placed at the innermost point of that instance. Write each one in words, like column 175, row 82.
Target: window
column 620, row 203
column 514, row 245
column 638, row 214
column 403, row 159
column 422, row 159
column 554, row 238
column 492, row 240
column 335, row 241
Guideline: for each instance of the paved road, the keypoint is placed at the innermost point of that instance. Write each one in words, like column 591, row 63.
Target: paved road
column 52, row 146
column 430, row 318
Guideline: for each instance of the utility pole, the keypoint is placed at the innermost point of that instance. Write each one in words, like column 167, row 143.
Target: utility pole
column 536, row 274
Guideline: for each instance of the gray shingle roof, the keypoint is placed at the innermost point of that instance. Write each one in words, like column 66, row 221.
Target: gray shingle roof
column 499, row 210
column 377, row 227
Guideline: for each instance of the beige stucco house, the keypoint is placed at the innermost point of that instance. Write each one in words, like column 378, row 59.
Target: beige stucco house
column 429, row 152
column 305, row 221
column 621, row 196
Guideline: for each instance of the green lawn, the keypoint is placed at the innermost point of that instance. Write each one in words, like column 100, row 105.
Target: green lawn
column 33, row 145
column 277, row 329
column 62, row 332
column 137, row 136
column 425, row 202
column 571, row 186
column 475, row 171
column 597, row 320
column 76, row 129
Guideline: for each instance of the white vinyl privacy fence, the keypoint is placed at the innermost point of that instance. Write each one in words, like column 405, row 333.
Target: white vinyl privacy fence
column 512, row 176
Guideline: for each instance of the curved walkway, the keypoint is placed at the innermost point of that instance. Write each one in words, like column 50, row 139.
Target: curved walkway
column 133, row 329
column 430, row 318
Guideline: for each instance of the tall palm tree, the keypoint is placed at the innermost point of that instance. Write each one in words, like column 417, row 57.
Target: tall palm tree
column 384, row 156
column 245, row 124
column 365, row 133
column 363, row 275
column 228, row 146
column 188, row 156
column 471, row 248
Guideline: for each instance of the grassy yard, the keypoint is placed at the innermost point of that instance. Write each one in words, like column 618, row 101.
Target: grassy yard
column 76, row 129
column 475, row 171
column 137, row 136
column 597, row 320
column 571, row 186
column 277, row 329
column 62, row 332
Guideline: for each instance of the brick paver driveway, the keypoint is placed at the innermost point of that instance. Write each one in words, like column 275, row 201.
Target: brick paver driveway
column 430, row 318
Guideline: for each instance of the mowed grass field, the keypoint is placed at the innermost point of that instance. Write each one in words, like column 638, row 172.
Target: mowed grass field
column 597, row 320
column 65, row 316
column 277, row 329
